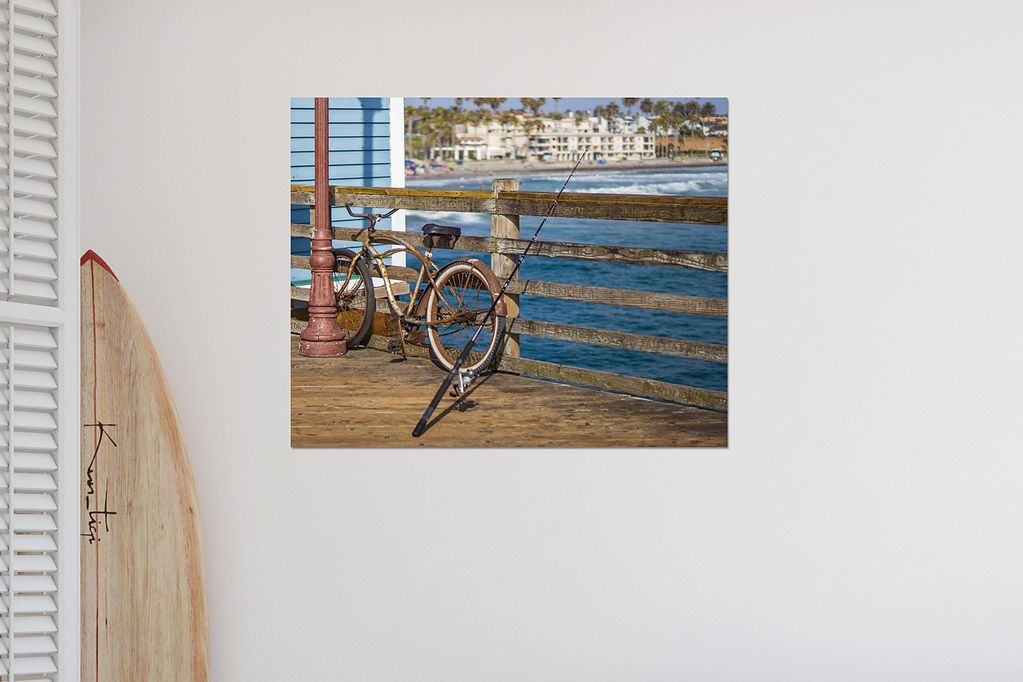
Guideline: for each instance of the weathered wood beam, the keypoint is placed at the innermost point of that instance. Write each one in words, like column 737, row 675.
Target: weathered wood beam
column 641, row 207
column 697, row 350
column 674, row 303
column 688, row 395
column 418, row 199
column 692, row 305
column 394, row 271
column 694, row 260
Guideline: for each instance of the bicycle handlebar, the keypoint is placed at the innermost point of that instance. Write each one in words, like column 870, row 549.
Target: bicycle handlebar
column 372, row 217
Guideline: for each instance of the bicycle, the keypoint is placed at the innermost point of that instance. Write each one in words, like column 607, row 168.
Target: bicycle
column 449, row 301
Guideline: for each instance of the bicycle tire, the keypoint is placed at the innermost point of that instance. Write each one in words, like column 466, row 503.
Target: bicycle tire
column 462, row 296
column 354, row 293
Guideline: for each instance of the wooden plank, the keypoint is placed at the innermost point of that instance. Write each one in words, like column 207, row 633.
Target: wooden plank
column 692, row 305
column 414, row 348
column 694, row 260
column 641, row 207
column 687, row 395
column 393, row 271
column 697, row 350
column 675, row 303
column 506, row 226
column 387, row 197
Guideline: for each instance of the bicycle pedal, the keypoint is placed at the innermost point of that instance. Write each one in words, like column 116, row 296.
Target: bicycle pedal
column 395, row 346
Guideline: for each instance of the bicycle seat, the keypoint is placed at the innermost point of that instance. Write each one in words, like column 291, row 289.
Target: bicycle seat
column 441, row 230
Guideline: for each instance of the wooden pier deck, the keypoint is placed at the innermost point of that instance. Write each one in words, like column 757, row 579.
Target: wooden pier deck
column 370, row 398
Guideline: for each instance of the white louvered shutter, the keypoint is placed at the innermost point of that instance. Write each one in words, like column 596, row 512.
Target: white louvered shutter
column 28, row 426
column 28, row 271
column 39, row 301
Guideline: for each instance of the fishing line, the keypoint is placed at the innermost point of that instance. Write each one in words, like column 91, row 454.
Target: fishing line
column 421, row 426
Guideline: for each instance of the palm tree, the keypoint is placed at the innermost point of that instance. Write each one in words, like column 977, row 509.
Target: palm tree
column 629, row 102
column 708, row 110
column 556, row 99
column 613, row 112
column 660, row 109
column 534, row 104
column 646, row 107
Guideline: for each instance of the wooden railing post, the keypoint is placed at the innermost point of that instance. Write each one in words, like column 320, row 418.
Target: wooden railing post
column 322, row 338
column 506, row 227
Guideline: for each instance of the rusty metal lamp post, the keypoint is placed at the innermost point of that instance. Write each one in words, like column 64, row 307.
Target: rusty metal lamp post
column 322, row 338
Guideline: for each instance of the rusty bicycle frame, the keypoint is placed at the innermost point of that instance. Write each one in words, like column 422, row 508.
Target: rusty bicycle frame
column 409, row 313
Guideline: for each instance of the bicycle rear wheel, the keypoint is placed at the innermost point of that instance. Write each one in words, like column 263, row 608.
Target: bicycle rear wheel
column 454, row 310
column 353, row 289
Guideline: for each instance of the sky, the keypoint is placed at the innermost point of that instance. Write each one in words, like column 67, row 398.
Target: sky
column 568, row 103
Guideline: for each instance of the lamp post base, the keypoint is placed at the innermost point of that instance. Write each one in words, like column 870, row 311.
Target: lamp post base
column 318, row 340
column 322, row 349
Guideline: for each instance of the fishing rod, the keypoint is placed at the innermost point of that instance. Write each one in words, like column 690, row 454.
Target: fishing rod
column 421, row 426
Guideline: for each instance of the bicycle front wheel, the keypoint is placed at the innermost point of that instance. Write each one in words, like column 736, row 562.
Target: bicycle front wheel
column 353, row 289
column 454, row 310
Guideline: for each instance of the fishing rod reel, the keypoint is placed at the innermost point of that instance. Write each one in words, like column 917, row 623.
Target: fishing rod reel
column 465, row 378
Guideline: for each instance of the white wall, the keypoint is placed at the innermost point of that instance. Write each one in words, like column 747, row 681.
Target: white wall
column 865, row 522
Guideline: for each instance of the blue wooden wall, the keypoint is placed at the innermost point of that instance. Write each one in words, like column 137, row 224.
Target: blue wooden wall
column 360, row 154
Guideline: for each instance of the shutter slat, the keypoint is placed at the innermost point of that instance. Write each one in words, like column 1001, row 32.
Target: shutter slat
column 30, row 543
column 31, row 461
column 36, row 25
column 30, row 421
column 29, row 523
column 30, row 400
column 45, row 8
column 27, row 645
column 37, row 229
column 33, row 482
column 29, row 146
column 41, row 624
column 31, row 502
column 23, row 125
column 29, row 106
column 33, row 442
column 35, row 563
column 34, row 187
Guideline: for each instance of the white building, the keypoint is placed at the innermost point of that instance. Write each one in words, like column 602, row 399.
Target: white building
column 549, row 139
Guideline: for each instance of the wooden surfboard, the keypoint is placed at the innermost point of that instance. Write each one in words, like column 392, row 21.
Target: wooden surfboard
column 143, row 592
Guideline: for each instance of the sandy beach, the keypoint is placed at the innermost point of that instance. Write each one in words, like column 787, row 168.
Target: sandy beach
column 474, row 169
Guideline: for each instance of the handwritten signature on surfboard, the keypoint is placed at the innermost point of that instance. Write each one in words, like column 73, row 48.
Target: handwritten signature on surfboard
column 99, row 514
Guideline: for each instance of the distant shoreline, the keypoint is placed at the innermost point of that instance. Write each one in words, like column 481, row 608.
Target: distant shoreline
column 518, row 168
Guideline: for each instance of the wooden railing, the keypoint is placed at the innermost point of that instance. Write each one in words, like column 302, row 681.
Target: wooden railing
column 505, row 206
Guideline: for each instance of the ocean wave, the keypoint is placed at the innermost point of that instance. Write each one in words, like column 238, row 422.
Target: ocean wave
column 450, row 182
column 667, row 187
column 433, row 216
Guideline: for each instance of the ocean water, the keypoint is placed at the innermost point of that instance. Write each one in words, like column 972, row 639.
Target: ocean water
column 705, row 181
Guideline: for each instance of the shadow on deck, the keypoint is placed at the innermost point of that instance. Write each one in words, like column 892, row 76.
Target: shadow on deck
column 370, row 398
